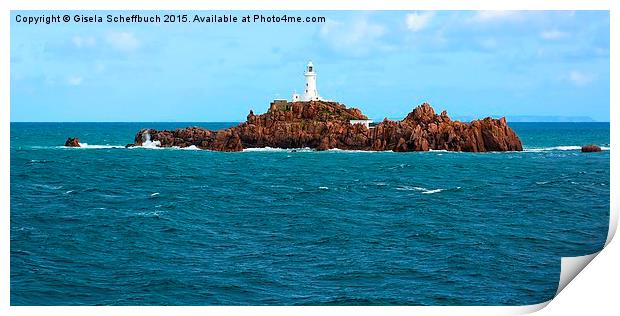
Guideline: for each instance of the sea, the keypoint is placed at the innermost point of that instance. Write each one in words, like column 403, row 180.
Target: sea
column 108, row 225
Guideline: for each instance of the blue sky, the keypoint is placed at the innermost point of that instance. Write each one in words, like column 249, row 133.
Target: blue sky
column 471, row 63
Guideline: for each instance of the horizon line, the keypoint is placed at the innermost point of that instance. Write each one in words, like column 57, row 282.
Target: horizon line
column 592, row 121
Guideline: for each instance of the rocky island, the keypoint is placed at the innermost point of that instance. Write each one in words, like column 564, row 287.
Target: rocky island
column 324, row 125
column 72, row 142
column 310, row 121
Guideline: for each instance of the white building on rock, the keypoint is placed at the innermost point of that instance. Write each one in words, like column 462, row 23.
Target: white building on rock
column 310, row 91
column 312, row 94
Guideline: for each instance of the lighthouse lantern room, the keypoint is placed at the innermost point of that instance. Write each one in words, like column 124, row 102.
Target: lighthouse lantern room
column 310, row 91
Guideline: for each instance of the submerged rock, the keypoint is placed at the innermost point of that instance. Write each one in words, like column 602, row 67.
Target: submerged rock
column 325, row 125
column 590, row 148
column 72, row 142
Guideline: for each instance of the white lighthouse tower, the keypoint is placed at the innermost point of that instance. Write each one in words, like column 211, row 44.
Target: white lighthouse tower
column 310, row 91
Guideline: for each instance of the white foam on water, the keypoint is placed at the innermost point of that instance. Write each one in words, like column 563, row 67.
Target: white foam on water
column 150, row 214
column 408, row 188
column 557, row 148
column 323, row 188
column 88, row 146
column 156, row 145
column 146, row 143
column 265, row 149
column 553, row 148
column 338, row 150
column 440, row 152
column 149, row 144
column 423, row 190
column 274, row 149
column 432, row 191
column 48, row 186
column 155, row 194
column 38, row 161
column 192, row 147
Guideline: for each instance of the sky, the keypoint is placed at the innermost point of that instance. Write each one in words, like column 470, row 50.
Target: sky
column 470, row 63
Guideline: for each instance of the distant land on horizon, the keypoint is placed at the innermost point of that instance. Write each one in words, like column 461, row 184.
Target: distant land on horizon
column 464, row 118
column 534, row 118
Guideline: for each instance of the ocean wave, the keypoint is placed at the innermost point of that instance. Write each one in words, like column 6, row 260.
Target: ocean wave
column 432, row 191
column 35, row 161
column 425, row 190
column 149, row 144
column 408, row 188
column 88, row 146
column 557, row 148
column 191, row 147
column 156, row 145
column 358, row 151
column 155, row 214
column 274, row 149
column 308, row 149
column 146, row 145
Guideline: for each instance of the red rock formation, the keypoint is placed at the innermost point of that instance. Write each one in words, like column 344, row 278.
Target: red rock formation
column 590, row 149
column 325, row 125
column 72, row 142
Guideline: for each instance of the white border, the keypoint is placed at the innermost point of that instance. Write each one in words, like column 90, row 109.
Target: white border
column 577, row 263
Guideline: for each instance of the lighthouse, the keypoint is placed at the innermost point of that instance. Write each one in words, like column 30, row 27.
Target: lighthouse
column 310, row 91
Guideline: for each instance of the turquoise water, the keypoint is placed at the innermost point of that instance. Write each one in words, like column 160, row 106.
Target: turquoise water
column 103, row 225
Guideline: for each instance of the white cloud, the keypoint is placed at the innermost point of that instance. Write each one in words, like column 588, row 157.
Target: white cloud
column 83, row 41
column 418, row 21
column 75, row 80
column 123, row 41
column 579, row 78
column 496, row 16
column 356, row 36
column 553, row 35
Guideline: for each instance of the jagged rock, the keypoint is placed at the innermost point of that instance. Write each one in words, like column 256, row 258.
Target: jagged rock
column 325, row 125
column 590, row 148
column 72, row 142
